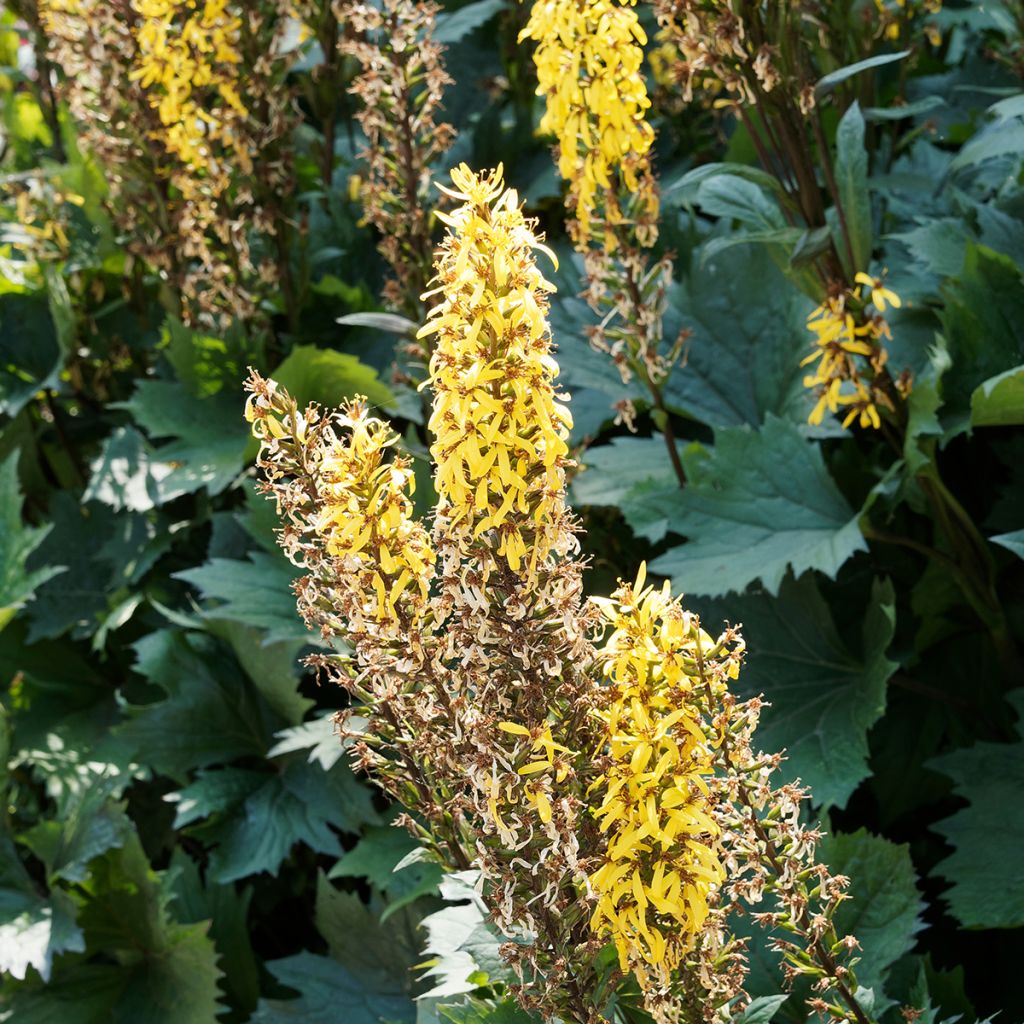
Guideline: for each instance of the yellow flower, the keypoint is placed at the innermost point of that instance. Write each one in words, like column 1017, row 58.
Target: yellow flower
column 183, row 47
column 660, row 864
column 589, row 57
column 880, row 295
column 500, row 435
column 850, row 355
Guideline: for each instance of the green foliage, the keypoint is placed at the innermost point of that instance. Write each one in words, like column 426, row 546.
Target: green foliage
column 761, row 503
column 985, row 835
column 184, row 838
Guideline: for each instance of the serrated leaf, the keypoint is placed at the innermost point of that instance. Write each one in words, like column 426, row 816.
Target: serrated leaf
column 487, row 1011
column 33, row 928
column 169, row 970
column 300, row 804
column 749, row 334
column 227, row 910
column 382, row 857
column 999, row 401
column 17, row 543
column 884, row 911
column 852, row 181
column 313, row 374
column 823, row 698
column 462, row 945
column 383, row 956
column 319, row 737
column 211, row 714
column 207, row 437
column 257, row 592
column 761, row 505
column 127, row 475
column 326, row 988
column 988, row 834
column 633, row 474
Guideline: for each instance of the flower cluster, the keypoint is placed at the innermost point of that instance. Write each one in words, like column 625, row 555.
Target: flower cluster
column 660, row 865
column 592, row 787
column 400, row 86
column 589, row 58
column 849, row 339
column 186, row 55
column 157, row 87
column 500, row 435
column 896, row 19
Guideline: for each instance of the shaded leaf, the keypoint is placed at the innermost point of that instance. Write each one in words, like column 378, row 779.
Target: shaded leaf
column 987, row 889
column 884, row 911
column 823, row 698
column 17, row 543
column 761, row 504
column 326, row 988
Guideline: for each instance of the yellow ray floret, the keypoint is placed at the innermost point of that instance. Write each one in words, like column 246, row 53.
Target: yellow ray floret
column 589, row 56
column 500, row 434
column 652, row 803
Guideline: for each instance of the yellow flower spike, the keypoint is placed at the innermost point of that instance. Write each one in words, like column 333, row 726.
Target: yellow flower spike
column 654, row 792
column 589, row 60
column 500, row 437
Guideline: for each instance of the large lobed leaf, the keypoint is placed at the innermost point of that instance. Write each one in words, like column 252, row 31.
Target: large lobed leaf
column 988, row 834
column 762, row 503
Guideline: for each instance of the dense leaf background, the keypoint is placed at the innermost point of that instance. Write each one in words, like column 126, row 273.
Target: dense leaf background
column 183, row 838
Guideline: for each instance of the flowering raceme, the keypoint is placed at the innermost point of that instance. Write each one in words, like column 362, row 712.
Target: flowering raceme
column 500, row 435
column 661, row 864
column 590, row 783
column 846, row 337
column 589, row 58
column 183, row 47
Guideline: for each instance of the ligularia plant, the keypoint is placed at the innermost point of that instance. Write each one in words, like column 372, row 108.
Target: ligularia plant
column 586, row 757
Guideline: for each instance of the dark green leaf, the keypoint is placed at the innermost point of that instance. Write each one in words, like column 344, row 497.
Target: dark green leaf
column 852, row 182
column 211, row 714
column 17, row 542
column 749, row 334
column 296, row 805
column 884, row 912
column 823, row 698
column 30, row 353
column 988, row 834
column 257, row 592
column 325, row 989
column 762, row 504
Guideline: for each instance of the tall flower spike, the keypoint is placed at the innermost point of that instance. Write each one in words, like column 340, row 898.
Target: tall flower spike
column 500, row 435
column 660, row 864
column 589, row 58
